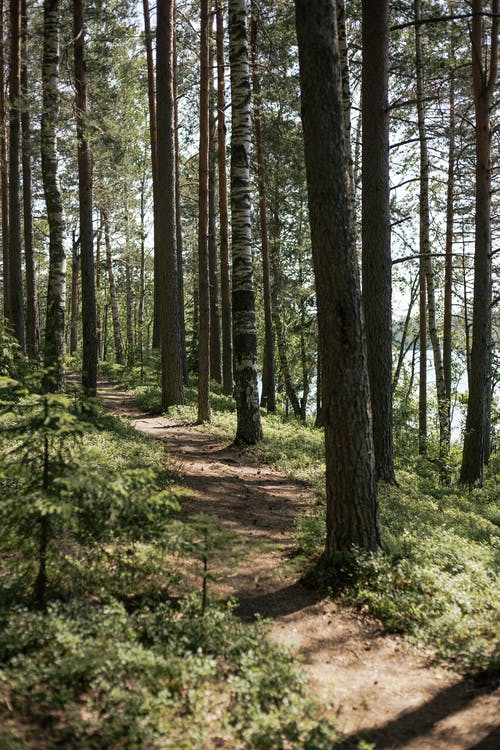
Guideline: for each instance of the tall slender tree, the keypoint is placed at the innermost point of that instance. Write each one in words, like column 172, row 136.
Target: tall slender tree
column 16, row 304
column 203, row 264
column 89, row 322
column 4, row 174
column 425, row 250
column 352, row 511
column 56, row 288
column 476, row 443
column 32, row 326
column 268, row 380
column 376, row 227
column 225, row 276
column 170, row 336
column 249, row 429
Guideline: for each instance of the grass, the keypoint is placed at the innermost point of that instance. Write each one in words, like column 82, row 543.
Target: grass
column 437, row 578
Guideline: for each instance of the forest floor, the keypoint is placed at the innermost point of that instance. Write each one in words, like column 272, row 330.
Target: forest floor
column 377, row 685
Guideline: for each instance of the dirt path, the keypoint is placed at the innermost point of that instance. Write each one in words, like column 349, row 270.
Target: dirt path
column 373, row 683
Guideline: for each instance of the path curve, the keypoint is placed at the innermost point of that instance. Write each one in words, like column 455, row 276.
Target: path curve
column 373, row 683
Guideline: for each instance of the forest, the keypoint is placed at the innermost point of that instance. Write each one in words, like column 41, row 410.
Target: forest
column 249, row 368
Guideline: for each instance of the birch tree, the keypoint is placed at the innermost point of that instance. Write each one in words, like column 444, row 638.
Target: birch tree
column 249, row 428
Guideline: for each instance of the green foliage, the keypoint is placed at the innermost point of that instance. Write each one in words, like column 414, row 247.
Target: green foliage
column 95, row 676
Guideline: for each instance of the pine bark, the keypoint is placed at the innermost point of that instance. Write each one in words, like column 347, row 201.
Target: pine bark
column 16, row 300
column 215, row 338
column 376, row 228
column 89, row 321
column 56, row 288
column 476, row 442
column 268, row 398
column 352, row 511
column 148, row 41
column 4, row 171
column 32, row 325
column 75, row 286
column 249, row 429
column 203, row 263
column 170, row 335
column 225, row 274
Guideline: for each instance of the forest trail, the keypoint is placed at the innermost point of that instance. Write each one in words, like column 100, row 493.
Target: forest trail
column 373, row 683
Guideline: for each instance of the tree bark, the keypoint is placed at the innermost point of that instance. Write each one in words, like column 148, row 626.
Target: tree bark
column 178, row 217
column 215, row 338
column 448, row 272
column 376, row 228
column 148, row 41
column 4, row 171
column 352, row 511
column 203, row 263
column 268, row 398
column 117, row 335
column 75, row 273
column 476, row 442
column 32, row 325
column 56, row 288
column 225, row 274
column 89, row 322
column 249, row 429
column 16, row 303
column 170, row 335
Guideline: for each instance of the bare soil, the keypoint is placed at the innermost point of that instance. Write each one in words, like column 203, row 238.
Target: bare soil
column 377, row 686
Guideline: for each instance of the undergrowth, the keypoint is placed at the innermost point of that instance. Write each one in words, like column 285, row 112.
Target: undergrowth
column 123, row 651
column 437, row 577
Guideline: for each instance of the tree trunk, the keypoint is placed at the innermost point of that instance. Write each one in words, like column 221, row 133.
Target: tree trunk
column 32, row 326
column 476, row 442
column 249, row 428
column 56, row 288
column 352, row 511
column 142, row 280
column 148, row 40
column 180, row 260
column 98, row 299
column 4, row 167
column 75, row 272
column 225, row 276
column 268, row 379
column 448, row 272
column 376, row 228
column 170, row 335
column 130, row 314
column 346, row 95
column 203, row 263
column 16, row 303
column 117, row 335
column 425, row 252
column 215, row 342
column 89, row 323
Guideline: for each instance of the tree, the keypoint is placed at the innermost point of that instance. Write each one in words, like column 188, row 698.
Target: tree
column 4, row 174
column 376, row 228
column 56, row 289
column 89, row 322
column 170, row 337
column 203, row 264
column 425, row 252
column 225, row 278
column 16, row 301
column 249, row 429
column 352, row 511
column 32, row 326
column 475, row 452
column 268, row 382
